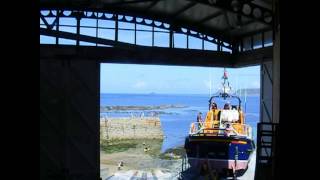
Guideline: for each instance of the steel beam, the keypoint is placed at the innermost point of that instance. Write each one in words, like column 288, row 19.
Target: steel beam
column 173, row 26
column 138, row 55
column 252, row 57
column 158, row 56
column 158, row 17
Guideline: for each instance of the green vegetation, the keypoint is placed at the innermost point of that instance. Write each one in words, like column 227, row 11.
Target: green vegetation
column 116, row 145
column 153, row 146
column 145, row 146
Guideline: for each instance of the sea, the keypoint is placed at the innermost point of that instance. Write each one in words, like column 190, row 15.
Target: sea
column 175, row 122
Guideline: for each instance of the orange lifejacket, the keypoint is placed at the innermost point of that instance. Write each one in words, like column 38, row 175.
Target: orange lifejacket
column 193, row 128
column 215, row 114
column 209, row 119
column 241, row 117
column 238, row 127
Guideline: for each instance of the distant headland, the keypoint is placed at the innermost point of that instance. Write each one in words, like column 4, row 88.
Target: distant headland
column 123, row 108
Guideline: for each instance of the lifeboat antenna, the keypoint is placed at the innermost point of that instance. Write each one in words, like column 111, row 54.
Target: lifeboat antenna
column 210, row 81
column 237, row 85
column 225, row 84
column 245, row 99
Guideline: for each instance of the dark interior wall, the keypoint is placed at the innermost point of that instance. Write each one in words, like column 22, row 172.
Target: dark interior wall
column 69, row 119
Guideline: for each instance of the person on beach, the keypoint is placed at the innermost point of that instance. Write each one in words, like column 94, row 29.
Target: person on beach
column 120, row 164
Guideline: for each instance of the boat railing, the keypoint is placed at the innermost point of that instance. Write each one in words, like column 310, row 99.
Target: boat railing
column 236, row 129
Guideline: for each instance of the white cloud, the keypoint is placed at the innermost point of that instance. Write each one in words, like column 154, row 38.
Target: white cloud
column 255, row 84
column 139, row 85
column 214, row 87
column 207, row 83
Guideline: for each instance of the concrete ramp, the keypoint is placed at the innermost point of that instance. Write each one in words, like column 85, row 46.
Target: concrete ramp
column 249, row 174
column 140, row 175
column 163, row 174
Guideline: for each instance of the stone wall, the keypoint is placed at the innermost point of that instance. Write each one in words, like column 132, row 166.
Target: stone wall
column 131, row 128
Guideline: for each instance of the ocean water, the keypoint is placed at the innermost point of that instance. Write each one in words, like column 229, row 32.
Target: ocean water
column 176, row 121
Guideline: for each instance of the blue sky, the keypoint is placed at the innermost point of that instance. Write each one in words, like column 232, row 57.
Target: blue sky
column 128, row 78
column 125, row 78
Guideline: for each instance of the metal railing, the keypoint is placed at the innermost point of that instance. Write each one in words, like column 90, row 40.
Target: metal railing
column 209, row 128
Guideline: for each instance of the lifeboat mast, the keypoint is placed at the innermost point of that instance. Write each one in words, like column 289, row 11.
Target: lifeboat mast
column 225, row 84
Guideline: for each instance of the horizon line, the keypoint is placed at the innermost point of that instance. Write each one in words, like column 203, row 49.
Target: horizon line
column 156, row 93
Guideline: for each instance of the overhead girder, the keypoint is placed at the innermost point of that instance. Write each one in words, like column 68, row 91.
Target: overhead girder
column 138, row 55
column 129, row 54
column 252, row 57
column 216, row 33
column 122, row 18
column 240, row 7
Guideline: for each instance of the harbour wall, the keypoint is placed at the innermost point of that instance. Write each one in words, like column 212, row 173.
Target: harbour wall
column 130, row 128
